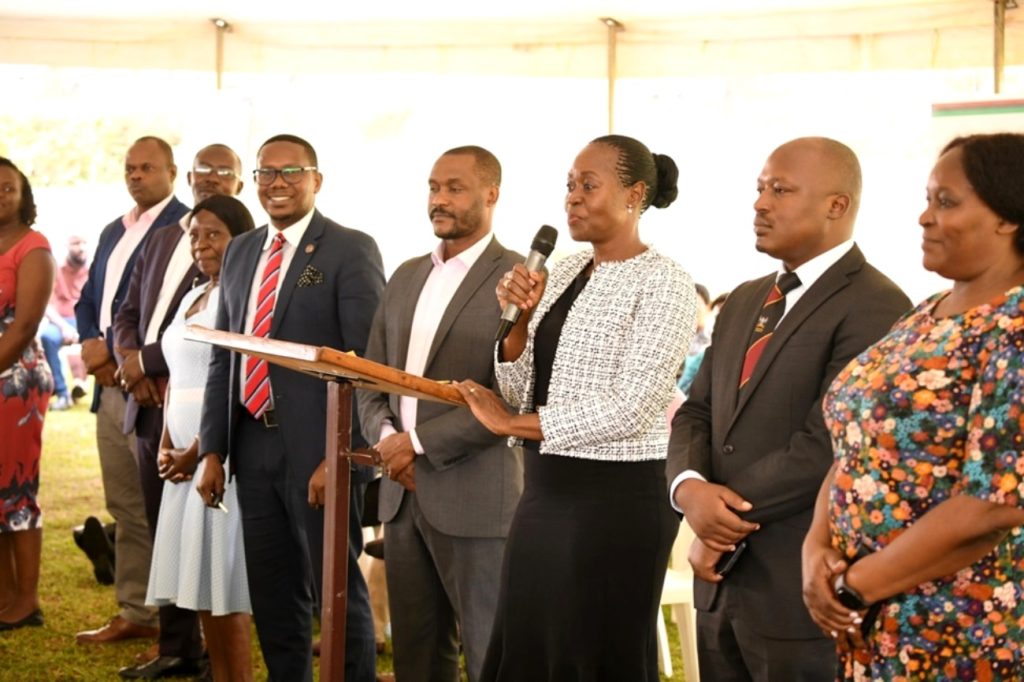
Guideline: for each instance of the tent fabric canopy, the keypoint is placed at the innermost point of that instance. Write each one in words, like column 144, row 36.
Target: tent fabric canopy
column 558, row 38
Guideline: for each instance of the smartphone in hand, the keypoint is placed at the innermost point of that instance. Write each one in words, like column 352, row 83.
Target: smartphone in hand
column 729, row 559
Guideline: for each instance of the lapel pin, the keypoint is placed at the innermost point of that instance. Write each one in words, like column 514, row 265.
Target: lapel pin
column 310, row 248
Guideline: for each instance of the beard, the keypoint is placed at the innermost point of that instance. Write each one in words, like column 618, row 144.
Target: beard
column 462, row 224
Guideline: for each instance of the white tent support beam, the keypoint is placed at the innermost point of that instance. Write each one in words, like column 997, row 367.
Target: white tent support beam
column 613, row 28
column 221, row 26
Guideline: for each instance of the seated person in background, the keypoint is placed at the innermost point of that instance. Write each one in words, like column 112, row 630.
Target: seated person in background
column 59, row 327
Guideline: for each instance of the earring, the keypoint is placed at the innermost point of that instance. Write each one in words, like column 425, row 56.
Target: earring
column 629, row 209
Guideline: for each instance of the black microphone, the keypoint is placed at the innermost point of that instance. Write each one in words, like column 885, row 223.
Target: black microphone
column 543, row 245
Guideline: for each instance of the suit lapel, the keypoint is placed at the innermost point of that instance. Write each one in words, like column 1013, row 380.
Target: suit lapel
column 407, row 308
column 303, row 254
column 831, row 281
column 248, row 259
column 475, row 278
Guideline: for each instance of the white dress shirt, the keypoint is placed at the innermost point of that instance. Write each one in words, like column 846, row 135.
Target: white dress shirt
column 809, row 273
column 444, row 280
column 177, row 268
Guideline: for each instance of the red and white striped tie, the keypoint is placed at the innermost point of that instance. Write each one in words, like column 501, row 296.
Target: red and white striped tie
column 257, row 376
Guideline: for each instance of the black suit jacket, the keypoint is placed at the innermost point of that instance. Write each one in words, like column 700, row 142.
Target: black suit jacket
column 135, row 315
column 768, row 442
column 333, row 306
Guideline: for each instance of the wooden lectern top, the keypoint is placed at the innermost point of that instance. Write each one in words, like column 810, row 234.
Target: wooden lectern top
column 327, row 363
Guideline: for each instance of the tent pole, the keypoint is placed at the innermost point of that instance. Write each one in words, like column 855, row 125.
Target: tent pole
column 222, row 27
column 614, row 28
column 999, row 57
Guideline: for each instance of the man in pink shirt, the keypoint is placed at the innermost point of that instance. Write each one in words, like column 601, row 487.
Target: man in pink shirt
column 149, row 173
column 59, row 328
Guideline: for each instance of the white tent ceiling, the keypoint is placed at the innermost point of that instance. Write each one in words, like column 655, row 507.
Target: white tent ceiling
column 532, row 37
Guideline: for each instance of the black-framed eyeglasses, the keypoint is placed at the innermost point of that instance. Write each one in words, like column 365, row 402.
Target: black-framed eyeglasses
column 291, row 174
column 219, row 172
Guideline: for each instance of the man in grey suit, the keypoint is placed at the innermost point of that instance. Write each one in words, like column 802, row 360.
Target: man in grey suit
column 451, row 485
column 749, row 447
column 301, row 278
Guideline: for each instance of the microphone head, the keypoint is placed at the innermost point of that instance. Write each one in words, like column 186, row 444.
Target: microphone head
column 545, row 240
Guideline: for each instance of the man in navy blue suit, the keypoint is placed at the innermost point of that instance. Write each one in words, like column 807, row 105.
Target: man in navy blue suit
column 149, row 173
column 301, row 278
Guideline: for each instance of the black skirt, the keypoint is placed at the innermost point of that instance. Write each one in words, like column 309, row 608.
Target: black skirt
column 583, row 572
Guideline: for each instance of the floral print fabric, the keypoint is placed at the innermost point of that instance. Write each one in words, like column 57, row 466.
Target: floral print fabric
column 25, row 390
column 935, row 409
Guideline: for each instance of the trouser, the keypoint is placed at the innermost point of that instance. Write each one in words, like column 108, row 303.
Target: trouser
column 441, row 588
column 123, row 496
column 284, row 560
column 52, row 341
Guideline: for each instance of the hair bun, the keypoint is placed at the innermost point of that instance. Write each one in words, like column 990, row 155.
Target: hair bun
column 668, row 181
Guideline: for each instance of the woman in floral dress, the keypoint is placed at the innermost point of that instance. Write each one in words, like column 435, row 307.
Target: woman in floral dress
column 26, row 279
column 915, row 560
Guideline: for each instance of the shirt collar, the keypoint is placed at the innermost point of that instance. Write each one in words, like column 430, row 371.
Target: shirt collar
column 292, row 234
column 467, row 258
column 810, row 271
column 133, row 216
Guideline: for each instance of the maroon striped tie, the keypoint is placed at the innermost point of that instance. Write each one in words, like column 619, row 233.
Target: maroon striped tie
column 257, row 376
column 771, row 312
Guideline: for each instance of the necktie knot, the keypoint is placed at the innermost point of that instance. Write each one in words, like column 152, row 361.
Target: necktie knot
column 787, row 282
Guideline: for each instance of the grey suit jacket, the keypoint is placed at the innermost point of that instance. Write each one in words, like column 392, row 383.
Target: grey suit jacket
column 768, row 442
column 333, row 306
column 468, row 481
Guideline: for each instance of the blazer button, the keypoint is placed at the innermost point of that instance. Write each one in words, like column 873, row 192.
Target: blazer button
column 728, row 449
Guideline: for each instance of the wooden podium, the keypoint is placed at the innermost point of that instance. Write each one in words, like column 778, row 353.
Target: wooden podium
column 342, row 372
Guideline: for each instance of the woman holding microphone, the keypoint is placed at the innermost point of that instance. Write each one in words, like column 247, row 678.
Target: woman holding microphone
column 590, row 367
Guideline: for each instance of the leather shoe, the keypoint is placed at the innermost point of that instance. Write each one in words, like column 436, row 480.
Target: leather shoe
column 375, row 548
column 151, row 652
column 160, row 667
column 34, row 619
column 93, row 540
column 114, row 631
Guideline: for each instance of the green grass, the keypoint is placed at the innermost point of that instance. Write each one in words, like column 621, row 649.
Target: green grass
column 72, row 600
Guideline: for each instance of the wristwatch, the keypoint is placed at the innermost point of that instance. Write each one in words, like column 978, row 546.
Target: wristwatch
column 847, row 596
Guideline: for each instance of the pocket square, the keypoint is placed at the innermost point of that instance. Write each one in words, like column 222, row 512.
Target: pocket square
column 310, row 277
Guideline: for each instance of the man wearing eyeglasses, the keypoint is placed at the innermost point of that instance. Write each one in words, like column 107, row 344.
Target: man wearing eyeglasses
column 302, row 278
column 149, row 173
column 163, row 274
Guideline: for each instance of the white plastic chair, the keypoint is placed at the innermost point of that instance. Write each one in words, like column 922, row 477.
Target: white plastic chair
column 678, row 593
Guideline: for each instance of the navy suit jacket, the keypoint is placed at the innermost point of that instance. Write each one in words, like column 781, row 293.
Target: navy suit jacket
column 135, row 315
column 768, row 442
column 87, row 310
column 332, row 306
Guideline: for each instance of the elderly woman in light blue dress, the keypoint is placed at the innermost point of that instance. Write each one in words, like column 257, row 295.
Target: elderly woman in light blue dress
column 198, row 556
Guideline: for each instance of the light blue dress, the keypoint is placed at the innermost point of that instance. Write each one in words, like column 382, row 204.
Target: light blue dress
column 198, row 556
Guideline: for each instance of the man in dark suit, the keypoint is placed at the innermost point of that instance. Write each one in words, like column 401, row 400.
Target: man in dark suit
column 307, row 279
column 749, row 448
column 149, row 174
column 163, row 274
column 452, row 485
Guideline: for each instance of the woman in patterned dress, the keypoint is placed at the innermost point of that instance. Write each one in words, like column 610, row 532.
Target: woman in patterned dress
column 915, row 559
column 198, row 556
column 591, row 367
column 26, row 279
